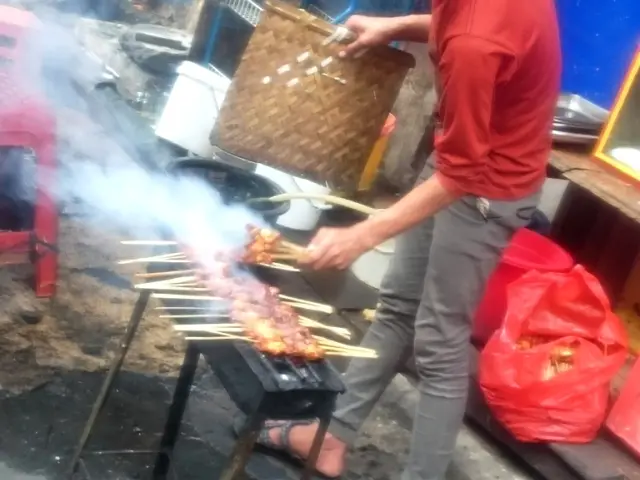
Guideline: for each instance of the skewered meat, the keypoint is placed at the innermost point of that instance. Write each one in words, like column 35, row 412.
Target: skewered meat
column 263, row 245
column 273, row 326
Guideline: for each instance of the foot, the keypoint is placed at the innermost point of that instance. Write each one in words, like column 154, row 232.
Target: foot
column 331, row 459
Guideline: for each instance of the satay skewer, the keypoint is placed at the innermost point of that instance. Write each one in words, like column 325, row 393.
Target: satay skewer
column 196, row 315
column 343, row 332
column 328, row 352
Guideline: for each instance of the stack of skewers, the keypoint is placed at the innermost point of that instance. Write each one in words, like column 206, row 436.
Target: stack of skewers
column 239, row 307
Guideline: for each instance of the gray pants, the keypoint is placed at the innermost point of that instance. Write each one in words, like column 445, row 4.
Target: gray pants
column 427, row 301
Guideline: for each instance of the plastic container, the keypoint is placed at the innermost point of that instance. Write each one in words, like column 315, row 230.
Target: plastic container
column 191, row 111
column 527, row 251
column 303, row 214
column 377, row 153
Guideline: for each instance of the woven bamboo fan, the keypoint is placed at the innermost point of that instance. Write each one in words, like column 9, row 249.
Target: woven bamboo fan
column 293, row 104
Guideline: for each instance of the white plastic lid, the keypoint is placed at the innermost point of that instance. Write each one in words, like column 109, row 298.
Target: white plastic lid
column 203, row 75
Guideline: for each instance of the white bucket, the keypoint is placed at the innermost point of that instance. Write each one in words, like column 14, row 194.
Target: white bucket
column 191, row 111
column 303, row 214
column 372, row 266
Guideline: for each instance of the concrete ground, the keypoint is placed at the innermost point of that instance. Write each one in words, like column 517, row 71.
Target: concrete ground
column 476, row 457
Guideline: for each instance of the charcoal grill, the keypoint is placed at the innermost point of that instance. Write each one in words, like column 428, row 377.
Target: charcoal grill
column 262, row 386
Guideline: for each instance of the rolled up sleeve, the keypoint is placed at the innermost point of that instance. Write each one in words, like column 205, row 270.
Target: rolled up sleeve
column 468, row 69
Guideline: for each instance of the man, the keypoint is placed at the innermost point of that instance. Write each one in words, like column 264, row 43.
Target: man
column 497, row 68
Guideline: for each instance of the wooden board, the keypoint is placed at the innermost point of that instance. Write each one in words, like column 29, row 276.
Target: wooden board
column 578, row 167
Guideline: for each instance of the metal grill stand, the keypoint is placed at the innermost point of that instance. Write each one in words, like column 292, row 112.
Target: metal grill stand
column 239, row 457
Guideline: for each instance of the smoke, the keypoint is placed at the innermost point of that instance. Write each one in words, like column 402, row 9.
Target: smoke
column 104, row 173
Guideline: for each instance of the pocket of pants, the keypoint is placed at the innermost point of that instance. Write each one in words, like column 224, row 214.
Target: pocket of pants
column 513, row 213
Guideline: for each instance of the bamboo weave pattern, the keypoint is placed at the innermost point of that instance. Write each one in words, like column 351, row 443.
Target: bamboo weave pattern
column 293, row 104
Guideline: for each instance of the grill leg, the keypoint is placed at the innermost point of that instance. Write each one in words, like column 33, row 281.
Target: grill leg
column 243, row 448
column 176, row 412
column 318, row 439
column 132, row 328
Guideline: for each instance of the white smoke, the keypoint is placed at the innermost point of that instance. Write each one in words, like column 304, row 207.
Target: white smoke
column 98, row 172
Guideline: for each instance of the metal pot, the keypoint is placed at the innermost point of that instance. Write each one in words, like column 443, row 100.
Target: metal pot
column 235, row 185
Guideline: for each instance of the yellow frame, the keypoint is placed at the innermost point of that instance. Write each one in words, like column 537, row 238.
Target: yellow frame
column 621, row 98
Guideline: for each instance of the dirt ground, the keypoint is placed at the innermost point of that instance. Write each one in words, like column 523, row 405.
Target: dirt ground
column 81, row 327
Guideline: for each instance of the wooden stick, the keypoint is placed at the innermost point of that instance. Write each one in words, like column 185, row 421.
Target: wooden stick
column 309, row 322
column 348, row 354
column 171, row 296
column 302, row 300
column 343, row 332
column 182, row 308
column 148, row 242
column 328, row 341
column 173, row 281
column 153, row 260
column 208, row 315
column 292, row 246
column 169, row 282
column 346, row 348
column 313, row 308
column 169, row 260
column 211, row 339
column 221, row 331
column 164, row 257
column 170, row 288
column 195, row 326
column 352, row 352
column 284, row 256
column 164, row 274
column 279, row 266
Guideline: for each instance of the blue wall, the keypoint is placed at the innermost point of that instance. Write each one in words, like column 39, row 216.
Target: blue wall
column 599, row 38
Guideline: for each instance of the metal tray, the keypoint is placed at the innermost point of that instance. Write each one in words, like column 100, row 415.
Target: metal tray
column 574, row 107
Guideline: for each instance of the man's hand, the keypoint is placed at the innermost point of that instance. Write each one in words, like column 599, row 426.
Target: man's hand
column 336, row 247
column 371, row 31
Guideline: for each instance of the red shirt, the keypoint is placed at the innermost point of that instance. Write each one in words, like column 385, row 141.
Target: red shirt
column 498, row 70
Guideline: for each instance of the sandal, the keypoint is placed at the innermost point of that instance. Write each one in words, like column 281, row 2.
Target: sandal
column 282, row 447
column 264, row 437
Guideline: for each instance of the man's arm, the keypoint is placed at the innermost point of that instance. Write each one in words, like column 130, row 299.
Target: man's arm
column 468, row 69
column 411, row 28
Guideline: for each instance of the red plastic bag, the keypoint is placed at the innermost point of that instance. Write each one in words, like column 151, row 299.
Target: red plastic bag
column 545, row 373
